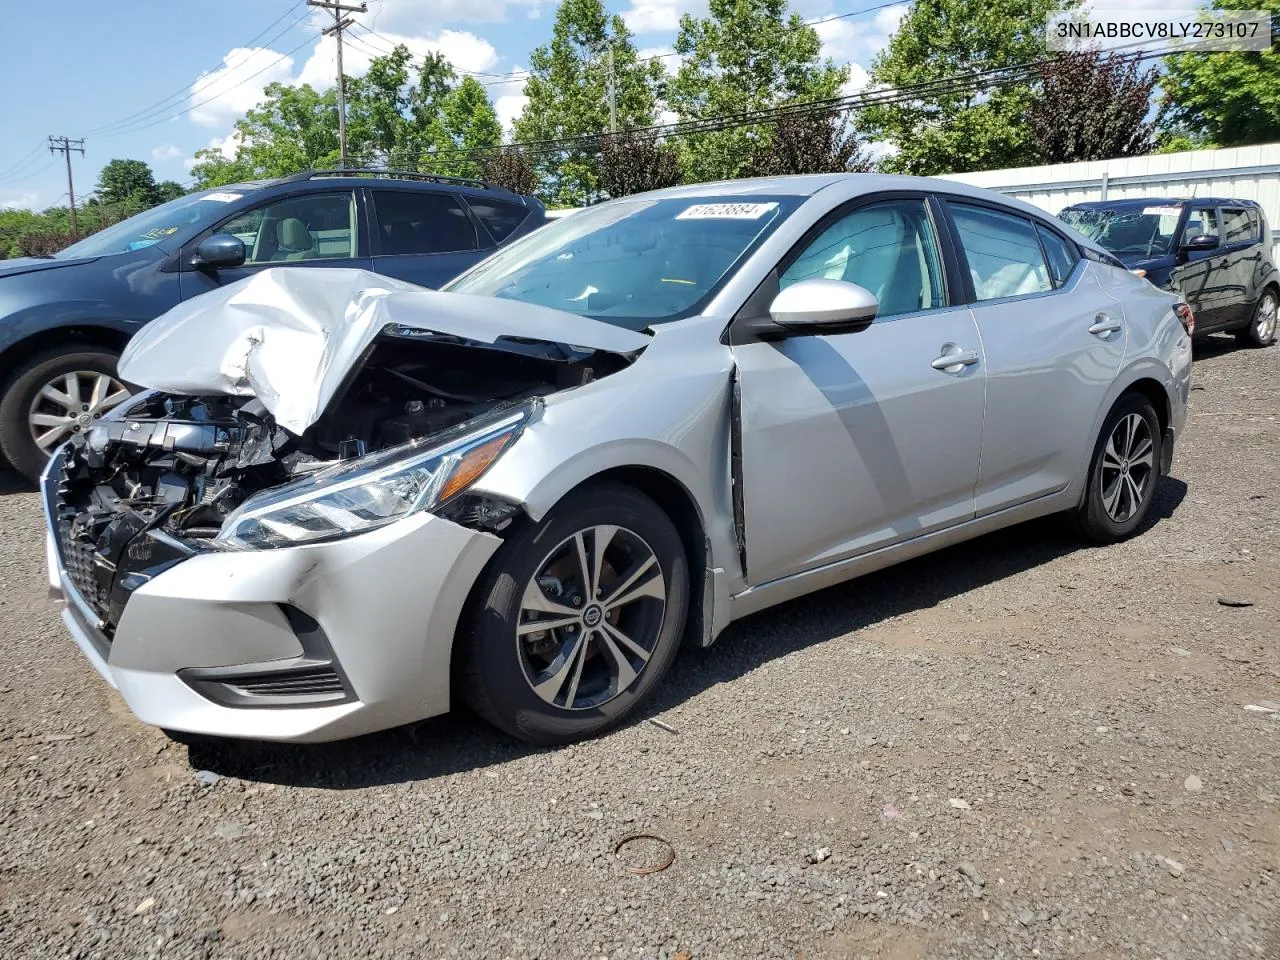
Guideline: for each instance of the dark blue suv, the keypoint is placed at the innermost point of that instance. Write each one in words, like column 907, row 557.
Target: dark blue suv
column 1215, row 252
column 65, row 319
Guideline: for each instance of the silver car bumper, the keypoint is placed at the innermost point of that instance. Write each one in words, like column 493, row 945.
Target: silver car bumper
column 302, row 644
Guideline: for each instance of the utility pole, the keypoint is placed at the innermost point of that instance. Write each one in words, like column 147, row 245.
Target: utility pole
column 65, row 145
column 340, row 23
column 613, row 93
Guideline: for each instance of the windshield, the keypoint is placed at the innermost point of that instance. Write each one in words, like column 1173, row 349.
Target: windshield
column 632, row 263
column 153, row 226
column 1135, row 232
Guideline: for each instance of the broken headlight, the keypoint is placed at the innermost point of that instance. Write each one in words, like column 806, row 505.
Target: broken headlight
column 360, row 495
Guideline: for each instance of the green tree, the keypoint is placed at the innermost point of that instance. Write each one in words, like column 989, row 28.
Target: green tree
column 394, row 110
column 292, row 129
column 964, row 126
column 818, row 142
column 745, row 55
column 167, row 190
column 1227, row 99
column 568, row 95
column 127, row 183
column 635, row 162
column 1092, row 106
column 469, row 122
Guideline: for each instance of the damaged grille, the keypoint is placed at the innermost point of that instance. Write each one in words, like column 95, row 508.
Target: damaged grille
column 80, row 560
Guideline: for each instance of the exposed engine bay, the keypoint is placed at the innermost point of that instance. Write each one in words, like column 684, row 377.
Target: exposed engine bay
column 140, row 492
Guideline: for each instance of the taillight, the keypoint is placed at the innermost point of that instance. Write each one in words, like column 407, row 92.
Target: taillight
column 1185, row 317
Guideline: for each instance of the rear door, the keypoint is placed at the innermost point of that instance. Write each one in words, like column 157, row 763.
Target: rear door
column 426, row 237
column 315, row 229
column 1054, row 341
column 854, row 441
column 1198, row 275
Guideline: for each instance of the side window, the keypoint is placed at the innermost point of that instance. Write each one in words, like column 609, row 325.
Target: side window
column 889, row 248
column 1237, row 227
column 1201, row 220
column 422, row 222
column 318, row 226
column 1062, row 256
column 499, row 217
column 1005, row 259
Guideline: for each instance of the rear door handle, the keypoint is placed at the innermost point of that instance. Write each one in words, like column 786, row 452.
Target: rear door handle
column 1104, row 326
column 953, row 361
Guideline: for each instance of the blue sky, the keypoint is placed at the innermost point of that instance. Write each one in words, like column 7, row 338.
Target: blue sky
column 156, row 80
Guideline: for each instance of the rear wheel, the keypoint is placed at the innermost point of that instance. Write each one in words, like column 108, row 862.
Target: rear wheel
column 1124, row 473
column 1261, row 331
column 52, row 397
column 577, row 618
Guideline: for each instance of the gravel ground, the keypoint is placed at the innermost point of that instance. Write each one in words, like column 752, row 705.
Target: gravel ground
column 1013, row 748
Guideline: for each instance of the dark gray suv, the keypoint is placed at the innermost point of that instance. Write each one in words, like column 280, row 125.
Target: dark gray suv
column 64, row 319
column 1215, row 252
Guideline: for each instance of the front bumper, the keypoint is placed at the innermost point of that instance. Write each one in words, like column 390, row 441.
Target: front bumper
column 379, row 609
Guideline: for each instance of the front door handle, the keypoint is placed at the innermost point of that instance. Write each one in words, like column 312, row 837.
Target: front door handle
column 1104, row 326
column 954, row 359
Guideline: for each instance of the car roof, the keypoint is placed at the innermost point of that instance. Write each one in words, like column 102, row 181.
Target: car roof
column 473, row 188
column 1130, row 202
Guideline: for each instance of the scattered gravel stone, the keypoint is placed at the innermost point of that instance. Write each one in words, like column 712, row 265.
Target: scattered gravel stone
column 1193, row 783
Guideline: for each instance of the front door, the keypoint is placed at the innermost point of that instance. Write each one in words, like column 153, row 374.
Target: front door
column 854, row 441
column 312, row 230
column 1198, row 275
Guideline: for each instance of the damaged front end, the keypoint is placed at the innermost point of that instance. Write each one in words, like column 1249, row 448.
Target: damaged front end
column 410, row 423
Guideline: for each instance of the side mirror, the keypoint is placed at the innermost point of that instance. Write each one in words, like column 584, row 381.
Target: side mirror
column 1203, row 241
column 219, row 250
column 824, row 306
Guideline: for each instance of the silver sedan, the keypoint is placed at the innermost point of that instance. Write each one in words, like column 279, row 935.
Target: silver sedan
column 345, row 502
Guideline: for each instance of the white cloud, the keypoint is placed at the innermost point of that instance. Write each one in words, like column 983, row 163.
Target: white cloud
column 657, row 16
column 508, row 97
column 222, row 96
column 877, row 150
column 166, row 151
column 858, row 80
column 851, row 40
column 669, row 59
column 19, row 201
column 224, row 145
column 464, row 50
column 415, row 16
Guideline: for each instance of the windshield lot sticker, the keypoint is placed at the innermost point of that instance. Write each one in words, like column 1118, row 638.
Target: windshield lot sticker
column 223, row 197
column 1161, row 211
column 725, row 211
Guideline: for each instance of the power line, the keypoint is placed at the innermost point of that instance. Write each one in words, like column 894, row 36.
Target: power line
column 152, row 123
column 969, row 82
column 28, row 176
column 23, row 161
column 173, row 99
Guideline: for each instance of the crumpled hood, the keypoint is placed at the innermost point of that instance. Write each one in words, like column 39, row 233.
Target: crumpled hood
column 290, row 335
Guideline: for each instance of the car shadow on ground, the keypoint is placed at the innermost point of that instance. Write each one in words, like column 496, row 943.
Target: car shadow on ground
column 13, row 482
column 460, row 743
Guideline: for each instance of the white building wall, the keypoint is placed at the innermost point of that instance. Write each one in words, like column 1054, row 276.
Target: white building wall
column 1246, row 173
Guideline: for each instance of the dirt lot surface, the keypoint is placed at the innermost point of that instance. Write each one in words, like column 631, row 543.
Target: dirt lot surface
column 1014, row 748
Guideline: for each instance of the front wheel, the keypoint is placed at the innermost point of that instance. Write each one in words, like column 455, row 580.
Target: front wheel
column 1261, row 331
column 52, row 397
column 1124, row 473
column 576, row 618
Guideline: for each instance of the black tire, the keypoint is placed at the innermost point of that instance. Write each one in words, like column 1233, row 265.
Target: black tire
column 1093, row 521
column 16, row 442
column 493, row 666
column 1257, row 334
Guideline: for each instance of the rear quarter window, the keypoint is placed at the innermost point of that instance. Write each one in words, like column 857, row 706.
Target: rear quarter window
column 500, row 217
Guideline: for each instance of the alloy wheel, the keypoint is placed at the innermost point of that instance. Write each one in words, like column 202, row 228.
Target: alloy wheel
column 590, row 617
column 70, row 403
column 1128, row 465
column 1264, row 321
